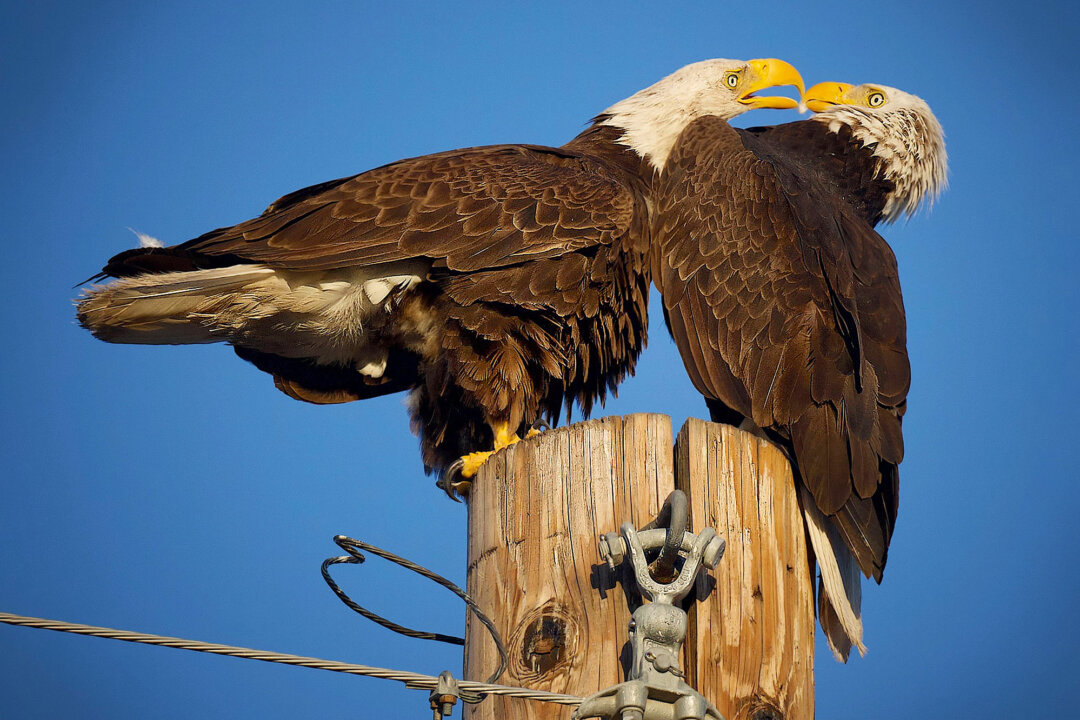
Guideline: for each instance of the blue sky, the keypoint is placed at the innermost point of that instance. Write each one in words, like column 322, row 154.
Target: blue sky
column 175, row 491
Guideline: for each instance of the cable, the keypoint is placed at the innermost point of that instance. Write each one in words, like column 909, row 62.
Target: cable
column 411, row 679
column 355, row 557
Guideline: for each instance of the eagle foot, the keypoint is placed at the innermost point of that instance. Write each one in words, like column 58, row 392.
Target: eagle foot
column 471, row 463
column 458, row 478
column 467, row 466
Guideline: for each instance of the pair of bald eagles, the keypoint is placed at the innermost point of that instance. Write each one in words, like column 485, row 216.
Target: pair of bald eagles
column 497, row 284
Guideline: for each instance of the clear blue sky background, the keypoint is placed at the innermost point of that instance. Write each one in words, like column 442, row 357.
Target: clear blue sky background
column 174, row 491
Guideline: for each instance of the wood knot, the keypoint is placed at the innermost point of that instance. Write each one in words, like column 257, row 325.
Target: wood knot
column 759, row 708
column 546, row 638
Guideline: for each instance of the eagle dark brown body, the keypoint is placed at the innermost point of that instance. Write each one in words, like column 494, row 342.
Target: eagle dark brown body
column 530, row 289
column 786, row 307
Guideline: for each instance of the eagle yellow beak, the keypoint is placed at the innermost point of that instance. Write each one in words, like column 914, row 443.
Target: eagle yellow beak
column 825, row 95
column 767, row 73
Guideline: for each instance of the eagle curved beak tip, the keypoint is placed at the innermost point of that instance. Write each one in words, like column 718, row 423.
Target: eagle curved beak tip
column 825, row 95
column 769, row 73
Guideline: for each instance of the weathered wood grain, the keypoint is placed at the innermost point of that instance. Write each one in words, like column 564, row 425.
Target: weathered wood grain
column 536, row 511
column 750, row 644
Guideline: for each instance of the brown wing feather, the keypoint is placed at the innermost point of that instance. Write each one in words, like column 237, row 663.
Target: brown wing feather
column 479, row 208
column 786, row 307
column 533, row 295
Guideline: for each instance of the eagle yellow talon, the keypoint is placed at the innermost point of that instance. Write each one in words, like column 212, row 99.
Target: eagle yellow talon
column 533, row 432
column 470, row 464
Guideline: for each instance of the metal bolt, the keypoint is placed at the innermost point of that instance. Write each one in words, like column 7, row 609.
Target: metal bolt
column 443, row 706
column 612, row 549
column 710, row 558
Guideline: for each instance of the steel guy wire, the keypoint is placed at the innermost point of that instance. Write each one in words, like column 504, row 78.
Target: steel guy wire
column 410, row 679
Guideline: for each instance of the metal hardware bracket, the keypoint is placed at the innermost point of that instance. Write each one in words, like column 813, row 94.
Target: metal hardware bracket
column 655, row 688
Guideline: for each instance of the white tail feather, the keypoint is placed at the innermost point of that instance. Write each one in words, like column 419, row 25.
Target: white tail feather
column 322, row 315
column 164, row 308
column 840, row 588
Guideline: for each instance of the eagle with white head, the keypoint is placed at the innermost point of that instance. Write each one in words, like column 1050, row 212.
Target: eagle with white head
column 786, row 305
column 900, row 131
column 495, row 284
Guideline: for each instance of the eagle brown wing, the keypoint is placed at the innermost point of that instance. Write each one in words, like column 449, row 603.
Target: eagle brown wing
column 786, row 308
column 532, row 289
column 478, row 208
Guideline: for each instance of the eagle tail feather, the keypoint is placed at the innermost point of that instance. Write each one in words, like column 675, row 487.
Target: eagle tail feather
column 171, row 308
column 840, row 586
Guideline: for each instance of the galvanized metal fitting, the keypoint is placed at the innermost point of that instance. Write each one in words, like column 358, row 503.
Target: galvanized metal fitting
column 612, row 549
column 444, row 696
column 655, row 688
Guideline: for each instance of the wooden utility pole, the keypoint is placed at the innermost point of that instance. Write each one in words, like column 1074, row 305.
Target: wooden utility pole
column 536, row 513
column 750, row 644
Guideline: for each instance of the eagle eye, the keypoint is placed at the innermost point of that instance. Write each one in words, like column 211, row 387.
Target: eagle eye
column 731, row 80
column 876, row 99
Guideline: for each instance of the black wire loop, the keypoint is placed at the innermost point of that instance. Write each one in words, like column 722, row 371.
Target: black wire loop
column 356, row 557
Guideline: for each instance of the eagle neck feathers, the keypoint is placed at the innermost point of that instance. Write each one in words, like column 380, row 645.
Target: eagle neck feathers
column 908, row 146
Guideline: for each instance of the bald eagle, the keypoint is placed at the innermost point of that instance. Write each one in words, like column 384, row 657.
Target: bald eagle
column 785, row 304
column 496, row 284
